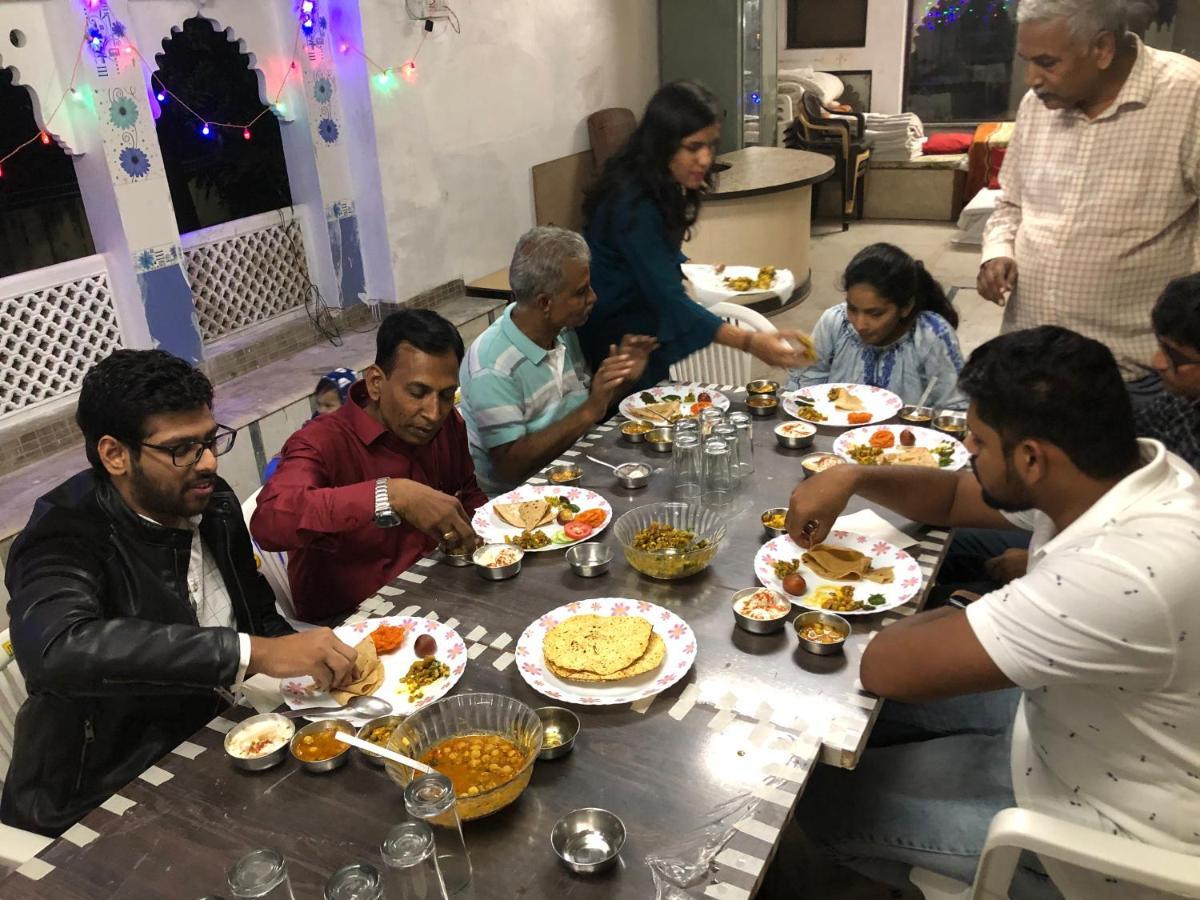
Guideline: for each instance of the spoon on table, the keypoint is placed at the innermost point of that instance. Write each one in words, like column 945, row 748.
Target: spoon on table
column 373, row 707
column 383, row 751
column 602, row 462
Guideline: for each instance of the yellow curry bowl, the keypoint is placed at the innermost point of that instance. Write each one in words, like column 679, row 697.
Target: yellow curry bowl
column 467, row 715
column 706, row 526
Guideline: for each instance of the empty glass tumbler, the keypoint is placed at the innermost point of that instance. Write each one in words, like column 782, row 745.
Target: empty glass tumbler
column 716, row 487
column 410, row 869
column 262, row 875
column 686, row 467
column 745, row 428
column 431, row 799
column 358, row 881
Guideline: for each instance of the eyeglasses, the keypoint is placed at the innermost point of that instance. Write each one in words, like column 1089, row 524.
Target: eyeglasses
column 189, row 453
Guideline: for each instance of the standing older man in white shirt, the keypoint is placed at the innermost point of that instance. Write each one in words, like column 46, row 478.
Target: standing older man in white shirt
column 1096, row 634
column 1099, row 208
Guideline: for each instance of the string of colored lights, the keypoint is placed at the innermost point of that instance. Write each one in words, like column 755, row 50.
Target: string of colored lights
column 43, row 135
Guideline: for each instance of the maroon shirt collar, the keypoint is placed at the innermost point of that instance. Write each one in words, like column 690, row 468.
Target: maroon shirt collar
column 367, row 428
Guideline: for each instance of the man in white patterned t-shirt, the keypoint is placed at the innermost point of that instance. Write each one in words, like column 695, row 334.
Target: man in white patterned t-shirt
column 1095, row 634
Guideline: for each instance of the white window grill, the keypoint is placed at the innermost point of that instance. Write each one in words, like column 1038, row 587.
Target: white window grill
column 245, row 271
column 55, row 323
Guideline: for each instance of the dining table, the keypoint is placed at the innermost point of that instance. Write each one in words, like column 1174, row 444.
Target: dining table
column 705, row 774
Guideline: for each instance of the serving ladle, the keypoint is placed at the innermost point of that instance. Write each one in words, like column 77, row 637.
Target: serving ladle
column 372, row 707
column 383, row 751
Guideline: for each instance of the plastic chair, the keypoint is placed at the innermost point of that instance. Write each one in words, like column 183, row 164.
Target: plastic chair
column 272, row 564
column 1013, row 830
column 717, row 364
column 833, row 136
column 16, row 846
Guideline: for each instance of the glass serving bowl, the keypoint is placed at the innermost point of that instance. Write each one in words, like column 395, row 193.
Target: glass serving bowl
column 467, row 714
column 706, row 524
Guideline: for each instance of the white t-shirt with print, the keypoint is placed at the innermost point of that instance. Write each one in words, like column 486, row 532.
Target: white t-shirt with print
column 1103, row 636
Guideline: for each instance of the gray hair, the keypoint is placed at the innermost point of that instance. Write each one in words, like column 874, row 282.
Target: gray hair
column 1086, row 18
column 537, row 263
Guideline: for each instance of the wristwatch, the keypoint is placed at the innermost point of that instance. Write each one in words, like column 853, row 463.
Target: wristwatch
column 385, row 516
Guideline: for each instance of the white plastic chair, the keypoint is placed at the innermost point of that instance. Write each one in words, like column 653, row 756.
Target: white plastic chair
column 272, row 564
column 717, row 364
column 16, row 846
column 1013, row 830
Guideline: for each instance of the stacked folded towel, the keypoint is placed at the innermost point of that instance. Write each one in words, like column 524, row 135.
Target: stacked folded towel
column 894, row 136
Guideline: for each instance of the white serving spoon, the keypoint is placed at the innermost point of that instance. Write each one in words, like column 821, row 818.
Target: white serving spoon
column 382, row 751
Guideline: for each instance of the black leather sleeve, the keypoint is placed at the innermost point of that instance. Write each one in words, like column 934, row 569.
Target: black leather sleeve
column 65, row 645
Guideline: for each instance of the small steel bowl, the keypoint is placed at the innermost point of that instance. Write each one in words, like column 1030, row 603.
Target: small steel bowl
column 560, row 722
column 588, row 840
column 768, row 531
column 825, row 618
column 496, row 573
column 759, row 626
column 795, row 435
column 267, row 760
column 763, row 406
column 564, row 475
column 324, row 765
column 633, row 431
column 632, row 475
column 461, row 559
column 812, row 458
column 661, row 439
column 917, row 415
column 372, row 758
column 951, row 422
column 589, row 559
column 762, row 387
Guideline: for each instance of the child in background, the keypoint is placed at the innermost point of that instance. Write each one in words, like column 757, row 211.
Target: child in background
column 331, row 392
column 895, row 330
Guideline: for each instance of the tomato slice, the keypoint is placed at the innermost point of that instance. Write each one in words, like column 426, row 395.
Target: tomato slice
column 577, row 530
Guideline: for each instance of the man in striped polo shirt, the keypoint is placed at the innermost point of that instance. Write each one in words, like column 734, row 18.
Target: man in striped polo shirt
column 527, row 394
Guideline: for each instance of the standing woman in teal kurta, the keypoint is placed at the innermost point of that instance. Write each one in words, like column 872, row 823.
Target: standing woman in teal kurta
column 637, row 217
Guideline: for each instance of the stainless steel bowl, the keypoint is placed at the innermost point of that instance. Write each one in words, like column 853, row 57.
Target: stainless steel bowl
column 760, row 407
column 768, row 531
column 323, row 765
column 560, row 727
column 588, row 840
column 759, row 626
column 631, row 432
column 761, row 387
column 951, row 422
column 916, row 415
column 661, row 439
column 825, row 618
column 496, row 573
column 812, row 458
column 267, row 760
column 795, row 435
column 391, row 722
column 564, row 475
column 633, row 475
column 590, row 559
column 459, row 560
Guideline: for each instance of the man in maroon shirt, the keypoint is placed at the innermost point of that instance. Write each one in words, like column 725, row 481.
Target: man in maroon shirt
column 363, row 493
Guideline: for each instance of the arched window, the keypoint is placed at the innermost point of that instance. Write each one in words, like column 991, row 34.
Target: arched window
column 220, row 176
column 42, row 220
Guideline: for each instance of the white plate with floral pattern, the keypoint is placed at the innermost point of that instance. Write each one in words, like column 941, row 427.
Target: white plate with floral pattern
column 906, row 574
column 629, row 406
column 450, row 650
column 493, row 530
column 879, row 403
column 956, row 457
column 676, row 634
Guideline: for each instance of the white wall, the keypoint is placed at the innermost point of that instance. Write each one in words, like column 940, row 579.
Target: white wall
column 512, row 90
column 883, row 56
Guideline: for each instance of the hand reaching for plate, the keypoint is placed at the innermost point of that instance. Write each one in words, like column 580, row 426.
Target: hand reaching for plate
column 815, row 505
column 780, row 350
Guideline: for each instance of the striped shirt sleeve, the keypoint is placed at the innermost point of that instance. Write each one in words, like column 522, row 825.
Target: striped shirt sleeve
column 496, row 407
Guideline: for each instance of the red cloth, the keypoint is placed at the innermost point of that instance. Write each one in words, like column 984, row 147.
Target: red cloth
column 319, row 506
column 994, row 162
column 949, row 142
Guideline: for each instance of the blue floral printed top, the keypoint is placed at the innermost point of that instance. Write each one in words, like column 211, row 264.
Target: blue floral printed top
column 929, row 349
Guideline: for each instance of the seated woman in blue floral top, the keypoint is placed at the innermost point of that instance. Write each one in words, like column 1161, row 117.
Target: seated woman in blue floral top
column 895, row 331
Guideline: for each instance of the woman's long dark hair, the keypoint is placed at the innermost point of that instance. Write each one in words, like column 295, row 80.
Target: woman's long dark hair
column 898, row 278
column 675, row 111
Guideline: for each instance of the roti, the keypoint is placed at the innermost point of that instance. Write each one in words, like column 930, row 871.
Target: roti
column 843, row 399
column 911, row 456
column 370, row 673
column 525, row 515
column 601, row 645
column 666, row 410
column 656, row 652
column 844, row 564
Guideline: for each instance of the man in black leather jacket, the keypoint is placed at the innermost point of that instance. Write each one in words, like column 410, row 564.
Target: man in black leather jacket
column 135, row 595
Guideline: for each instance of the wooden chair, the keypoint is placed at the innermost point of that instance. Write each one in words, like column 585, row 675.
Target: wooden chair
column 1013, row 830
column 272, row 565
column 833, row 136
column 608, row 130
column 16, row 846
column 717, row 364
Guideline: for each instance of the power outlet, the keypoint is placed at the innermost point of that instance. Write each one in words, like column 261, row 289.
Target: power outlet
column 432, row 9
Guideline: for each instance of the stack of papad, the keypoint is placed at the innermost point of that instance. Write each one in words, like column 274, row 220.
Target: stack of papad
column 368, row 670
column 844, row 564
column 602, row 648
column 527, row 514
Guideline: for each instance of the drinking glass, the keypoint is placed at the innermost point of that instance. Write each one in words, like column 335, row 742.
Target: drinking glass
column 262, row 875
column 745, row 428
column 410, row 866
column 431, row 799
column 359, row 881
column 685, row 466
column 729, row 434
column 709, row 417
column 716, row 489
